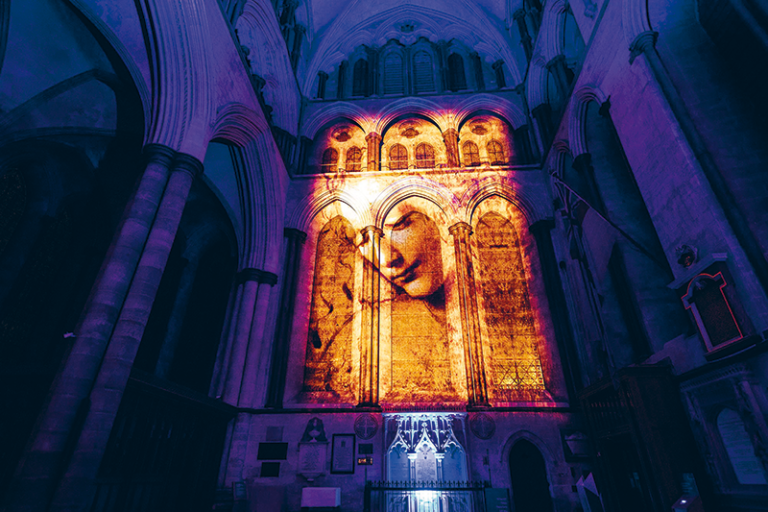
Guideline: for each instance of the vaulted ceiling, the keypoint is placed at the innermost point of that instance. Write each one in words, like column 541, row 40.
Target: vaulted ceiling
column 336, row 27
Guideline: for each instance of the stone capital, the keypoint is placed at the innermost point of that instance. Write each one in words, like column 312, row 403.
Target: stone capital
column 295, row 234
column 643, row 42
column 189, row 164
column 460, row 228
column 373, row 136
column 368, row 231
column 255, row 274
column 159, row 154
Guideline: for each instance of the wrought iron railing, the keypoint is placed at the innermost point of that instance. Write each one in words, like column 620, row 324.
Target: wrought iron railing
column 437, row 496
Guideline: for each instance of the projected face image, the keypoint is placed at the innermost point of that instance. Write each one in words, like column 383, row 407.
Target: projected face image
column 414, row 258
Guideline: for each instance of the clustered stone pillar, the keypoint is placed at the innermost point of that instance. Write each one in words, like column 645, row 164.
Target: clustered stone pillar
column 374, row 151
column 294, row 241
column 557, row 306
column 253, row 297
column 451, row 139
column 240, row 365
column 470, row 321
column 77, row 485
column 369, row 346
column 525, row 38
column 32, row 487
column 543, row 116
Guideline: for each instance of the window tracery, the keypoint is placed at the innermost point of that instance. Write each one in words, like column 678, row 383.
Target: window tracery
column 330, row 159
column 398, row 157
column 328, row 366
column 425, row 156
column 495, row 153
column 354, row 159
column 471, row 154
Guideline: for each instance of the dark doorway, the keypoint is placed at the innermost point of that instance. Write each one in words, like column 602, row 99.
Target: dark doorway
column 530, row 487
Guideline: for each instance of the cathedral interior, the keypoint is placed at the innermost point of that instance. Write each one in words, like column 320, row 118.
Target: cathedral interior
column 394, row 256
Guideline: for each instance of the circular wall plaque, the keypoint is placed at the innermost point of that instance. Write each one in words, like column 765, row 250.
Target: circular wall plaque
column 482, row 425
column 366, row 426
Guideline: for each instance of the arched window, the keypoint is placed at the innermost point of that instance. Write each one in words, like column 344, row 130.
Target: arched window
column 425, row 156
column 457, row 78
column 360, row 78
column 328, row 366
column 471, row 154
column 398, row 157
column 393, row 74
column 495, row 153
column 515, row 363
column 330, row 159
column 354, row 159
column 423, row 75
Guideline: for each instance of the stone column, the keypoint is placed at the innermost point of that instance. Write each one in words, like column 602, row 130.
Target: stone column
column 645, row 44
column 374, row 152
column 369, row 346
column 35, row 481
column 523, row 146
column 543, row 116
column 558, row 308
column 77, row 485
column 477, row 67
column 255, row 286
column 451, row 139
column 557, row 67
column 470, row 320
column 525, row 37
column 294, row 240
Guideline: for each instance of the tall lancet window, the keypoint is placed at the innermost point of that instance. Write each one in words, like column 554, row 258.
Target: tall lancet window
column 421, row 368
column 457, row 77
column 393, row 74
column 515, row 366
column 360, row 78
column 329, row 345
column 423, row 75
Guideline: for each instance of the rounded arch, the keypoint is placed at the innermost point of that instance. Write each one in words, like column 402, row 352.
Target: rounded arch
column 326, row 116
column 406, row 188
column 480, row 104
column 577, row 121
column 409, row 107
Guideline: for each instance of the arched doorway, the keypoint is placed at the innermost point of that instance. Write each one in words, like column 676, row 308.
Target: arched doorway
column 528, row 472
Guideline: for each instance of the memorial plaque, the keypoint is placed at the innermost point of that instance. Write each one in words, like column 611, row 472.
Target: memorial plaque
column 312, row 459
column 426, row 465
column 343, row 453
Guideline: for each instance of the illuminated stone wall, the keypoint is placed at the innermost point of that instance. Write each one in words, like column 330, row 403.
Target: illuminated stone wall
column 419, row 328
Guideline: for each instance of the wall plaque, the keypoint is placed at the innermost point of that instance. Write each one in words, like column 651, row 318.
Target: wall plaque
column 482, row 425
column 343, row 453
column 366, row 426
